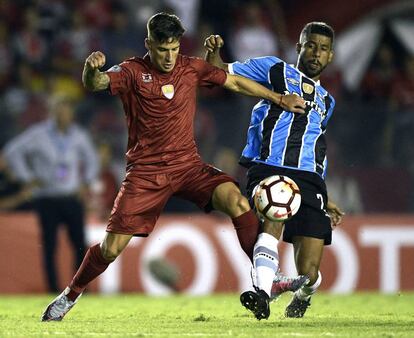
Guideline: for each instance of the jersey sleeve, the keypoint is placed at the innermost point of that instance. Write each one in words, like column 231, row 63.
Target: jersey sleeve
column 256, row 69
column 208, row 74
column 121, row 78
column 330, row 111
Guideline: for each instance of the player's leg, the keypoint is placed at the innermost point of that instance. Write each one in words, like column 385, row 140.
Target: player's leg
column 266, row 256
column 228, row 199
column 136, row 210
column 95, row 262
column 263, row 275
column 267, row 282
column 308, row 254
column 210, row 189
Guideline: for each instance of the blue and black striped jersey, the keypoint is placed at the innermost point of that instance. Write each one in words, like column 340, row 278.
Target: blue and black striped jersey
column 281, row 138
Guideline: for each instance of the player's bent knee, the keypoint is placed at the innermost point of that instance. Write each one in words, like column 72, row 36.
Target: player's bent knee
column 238, row 204
column 228, row 199
column 243, row 204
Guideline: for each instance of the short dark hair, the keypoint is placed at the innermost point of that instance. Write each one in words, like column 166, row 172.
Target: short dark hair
column 317, row 27
column 163, row 26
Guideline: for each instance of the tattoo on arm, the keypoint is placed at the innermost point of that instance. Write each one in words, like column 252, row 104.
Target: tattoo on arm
column 94, row 80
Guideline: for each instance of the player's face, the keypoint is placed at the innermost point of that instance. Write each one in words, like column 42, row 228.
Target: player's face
column 163, row 54
column 315, row 53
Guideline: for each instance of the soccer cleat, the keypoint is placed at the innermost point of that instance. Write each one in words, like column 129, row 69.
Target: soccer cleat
column 257, row 302
column 282, row 284
column 59, row 307
column 297, row 307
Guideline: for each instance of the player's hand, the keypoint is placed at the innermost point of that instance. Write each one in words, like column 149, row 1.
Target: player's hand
column 335, row 213
column 293, row 103
column 96, row 60
column 213, row 43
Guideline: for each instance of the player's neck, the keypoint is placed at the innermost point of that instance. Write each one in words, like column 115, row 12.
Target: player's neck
column 315, row 78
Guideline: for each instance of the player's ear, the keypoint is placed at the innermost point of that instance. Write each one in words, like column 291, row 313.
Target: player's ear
column 147, row 44
column 331, row 56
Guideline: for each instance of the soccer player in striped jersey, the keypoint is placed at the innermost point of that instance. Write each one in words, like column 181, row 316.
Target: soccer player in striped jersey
column 280, row 142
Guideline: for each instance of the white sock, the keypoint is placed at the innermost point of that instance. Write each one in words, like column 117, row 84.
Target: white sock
column 265, row 261
column 305, row 292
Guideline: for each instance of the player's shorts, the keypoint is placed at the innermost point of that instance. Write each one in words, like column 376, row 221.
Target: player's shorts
column 142, row 196
column 311, row 220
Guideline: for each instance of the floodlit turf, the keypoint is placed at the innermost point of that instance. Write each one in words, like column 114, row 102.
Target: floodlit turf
column 130, row 315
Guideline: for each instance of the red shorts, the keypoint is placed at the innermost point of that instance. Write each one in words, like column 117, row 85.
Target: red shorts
column 143, row 196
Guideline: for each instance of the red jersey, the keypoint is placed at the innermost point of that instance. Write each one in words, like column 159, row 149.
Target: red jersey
column 160, row 108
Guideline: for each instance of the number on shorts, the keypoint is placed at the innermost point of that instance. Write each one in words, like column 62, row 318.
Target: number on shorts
column 320, row 197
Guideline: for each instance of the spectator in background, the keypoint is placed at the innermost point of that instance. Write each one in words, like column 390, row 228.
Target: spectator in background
column 29, row 45
column 188, row 11
column 376, row 84
column 375, row 90
column 57, row 161
column 75, row 42
column 117, row 42
column 253, row 37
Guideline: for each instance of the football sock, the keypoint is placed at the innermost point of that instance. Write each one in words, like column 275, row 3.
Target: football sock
column 247, row 229
column 306, row 291
column 92, row 266
column 265, row 261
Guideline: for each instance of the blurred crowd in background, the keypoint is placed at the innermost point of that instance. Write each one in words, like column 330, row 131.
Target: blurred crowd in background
column 43, row 45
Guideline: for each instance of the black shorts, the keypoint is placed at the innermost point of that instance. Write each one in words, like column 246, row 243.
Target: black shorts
column 311, row 220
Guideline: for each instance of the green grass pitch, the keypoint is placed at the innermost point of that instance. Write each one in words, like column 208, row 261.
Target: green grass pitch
column 131, row 315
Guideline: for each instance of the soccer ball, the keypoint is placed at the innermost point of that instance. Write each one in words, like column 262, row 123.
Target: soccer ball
column 277, row 198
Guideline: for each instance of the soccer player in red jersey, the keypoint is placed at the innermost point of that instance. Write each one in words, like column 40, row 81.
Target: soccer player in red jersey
column 158, row 93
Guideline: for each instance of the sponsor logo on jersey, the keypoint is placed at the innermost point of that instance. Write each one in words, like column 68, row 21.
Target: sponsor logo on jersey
column 168, row 91
column 146, row 77
column 115, row 69
column 292, row 81
column 307, row 88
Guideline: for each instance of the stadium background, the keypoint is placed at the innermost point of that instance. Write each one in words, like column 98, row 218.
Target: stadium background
column 43, row 45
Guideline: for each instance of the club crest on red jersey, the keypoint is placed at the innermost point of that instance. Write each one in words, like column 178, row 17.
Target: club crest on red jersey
column 168, row 91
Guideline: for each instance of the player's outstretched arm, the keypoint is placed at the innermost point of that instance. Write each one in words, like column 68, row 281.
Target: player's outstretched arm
column 92, row 78
column 292, row 103
column 213, row 45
